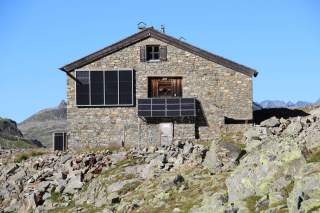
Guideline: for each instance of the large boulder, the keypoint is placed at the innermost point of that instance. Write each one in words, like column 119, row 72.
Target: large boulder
column 268, row 168
column 305, row 196
column 271, row 122
column 222, row 156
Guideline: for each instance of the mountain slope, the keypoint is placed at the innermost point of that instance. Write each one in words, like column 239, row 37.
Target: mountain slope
column 12, row 138
column 42, row 124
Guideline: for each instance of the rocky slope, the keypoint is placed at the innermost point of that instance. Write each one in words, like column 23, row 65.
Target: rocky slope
column 273, row 167
column 41, row 125
column 12, row 138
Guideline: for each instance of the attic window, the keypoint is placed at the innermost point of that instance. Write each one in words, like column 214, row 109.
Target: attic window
column 153, row 52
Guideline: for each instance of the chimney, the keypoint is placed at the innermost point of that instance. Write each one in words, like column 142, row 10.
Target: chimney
column 141, row 25
column 162, row 28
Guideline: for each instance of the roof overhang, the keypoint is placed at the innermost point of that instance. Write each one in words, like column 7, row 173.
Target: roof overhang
column 151, row 32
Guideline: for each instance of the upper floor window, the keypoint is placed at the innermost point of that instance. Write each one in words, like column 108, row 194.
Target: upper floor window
column 153, row 52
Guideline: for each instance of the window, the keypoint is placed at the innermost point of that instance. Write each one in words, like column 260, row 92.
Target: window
column 104, row 88
column 165, row 87
column 153, row 52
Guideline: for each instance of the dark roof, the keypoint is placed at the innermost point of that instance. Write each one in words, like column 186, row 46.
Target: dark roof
column 151, row 32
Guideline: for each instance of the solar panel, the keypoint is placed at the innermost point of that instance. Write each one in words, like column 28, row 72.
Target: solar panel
column 125, row 87
column 82, row 88
column 111, row 87
column 171, row 107
column 96, row 85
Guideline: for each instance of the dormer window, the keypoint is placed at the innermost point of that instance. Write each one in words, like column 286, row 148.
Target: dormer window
column 153, row 52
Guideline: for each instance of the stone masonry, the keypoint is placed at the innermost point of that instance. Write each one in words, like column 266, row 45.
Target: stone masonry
column 222, row 92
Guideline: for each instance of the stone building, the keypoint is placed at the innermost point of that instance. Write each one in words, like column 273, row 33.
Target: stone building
column 151, row 88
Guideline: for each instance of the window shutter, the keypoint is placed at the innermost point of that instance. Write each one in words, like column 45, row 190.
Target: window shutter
column 142, row 53
column 163, row 53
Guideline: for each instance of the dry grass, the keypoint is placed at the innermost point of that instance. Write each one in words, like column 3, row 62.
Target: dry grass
column 22, row 156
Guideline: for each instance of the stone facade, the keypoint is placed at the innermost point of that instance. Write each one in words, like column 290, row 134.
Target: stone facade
column 221, row 92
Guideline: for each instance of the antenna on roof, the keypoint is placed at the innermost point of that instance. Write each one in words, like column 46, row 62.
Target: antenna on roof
column 182, row 38
column 162, row 28
column 142, row 25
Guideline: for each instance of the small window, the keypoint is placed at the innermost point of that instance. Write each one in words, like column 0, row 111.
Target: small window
column 153, row 52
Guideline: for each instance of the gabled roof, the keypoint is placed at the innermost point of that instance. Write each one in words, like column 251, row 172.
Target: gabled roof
column 151, row 32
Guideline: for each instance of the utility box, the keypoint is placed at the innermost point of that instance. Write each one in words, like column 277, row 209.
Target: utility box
column 60, row 141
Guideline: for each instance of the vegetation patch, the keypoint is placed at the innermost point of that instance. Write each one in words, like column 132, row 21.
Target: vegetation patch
column 27, row 154
column 314, row 155
column 251, row 202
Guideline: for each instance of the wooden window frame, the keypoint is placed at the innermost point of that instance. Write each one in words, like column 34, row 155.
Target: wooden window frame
column 153, row 53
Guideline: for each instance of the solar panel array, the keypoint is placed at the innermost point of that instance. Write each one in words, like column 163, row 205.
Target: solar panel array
column 104, row 88
column 167, row 107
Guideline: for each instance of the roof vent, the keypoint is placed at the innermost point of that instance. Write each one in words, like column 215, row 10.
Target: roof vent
column 162, row 28
column 142, row 25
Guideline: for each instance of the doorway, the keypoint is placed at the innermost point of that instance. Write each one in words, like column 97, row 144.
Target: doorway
column 166, row 133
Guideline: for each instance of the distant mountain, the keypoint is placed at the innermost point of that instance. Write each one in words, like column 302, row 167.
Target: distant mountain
column 12, row 138
column 282, row 104
column 42, row 124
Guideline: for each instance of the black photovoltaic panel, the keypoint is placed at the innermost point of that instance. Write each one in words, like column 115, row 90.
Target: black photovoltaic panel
column 187, row 100
column 171, row 107
column 173, row 101
column 96, row 85
column 111, row 87
column 144, row 113
column 173, row 113
column 158, row 101
column 125, row 87
column 159, row 107
column 158, row 113
column 82, row 88
column 144, row 101
column 144, row 107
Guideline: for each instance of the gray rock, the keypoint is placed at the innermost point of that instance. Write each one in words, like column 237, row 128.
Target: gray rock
column 271, row 122
column 294, row 128
column 305, row 195
column 266, row 169
column 221, row 156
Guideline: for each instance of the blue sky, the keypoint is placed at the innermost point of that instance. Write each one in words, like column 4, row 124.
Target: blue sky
column 278, row 38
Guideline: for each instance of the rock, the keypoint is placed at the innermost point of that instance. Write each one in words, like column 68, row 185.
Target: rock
column 188, row 148
column 12, row 169
column 114, row 199
column 265, row 170
column 214, row 203
column 294, row 128
column 74, row 184
column 305, row 195
column 222, row 156
column 172, row 181
column 65, row 158
column 271, row 122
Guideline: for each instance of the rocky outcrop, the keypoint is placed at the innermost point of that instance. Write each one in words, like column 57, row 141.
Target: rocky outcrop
column 12, row 138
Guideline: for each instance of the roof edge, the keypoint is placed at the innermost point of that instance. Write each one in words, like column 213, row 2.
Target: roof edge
column 151, row 32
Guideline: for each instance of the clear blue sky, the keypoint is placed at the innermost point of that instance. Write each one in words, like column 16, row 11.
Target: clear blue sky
column 281, row 39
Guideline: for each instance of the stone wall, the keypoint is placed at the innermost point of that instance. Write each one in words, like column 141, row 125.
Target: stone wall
column 220, row 91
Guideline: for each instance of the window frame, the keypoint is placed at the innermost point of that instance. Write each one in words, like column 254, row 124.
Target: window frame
column 153, row 53
column 104, row 100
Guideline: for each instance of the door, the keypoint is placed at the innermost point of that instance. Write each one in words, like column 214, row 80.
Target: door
column 166, row 133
